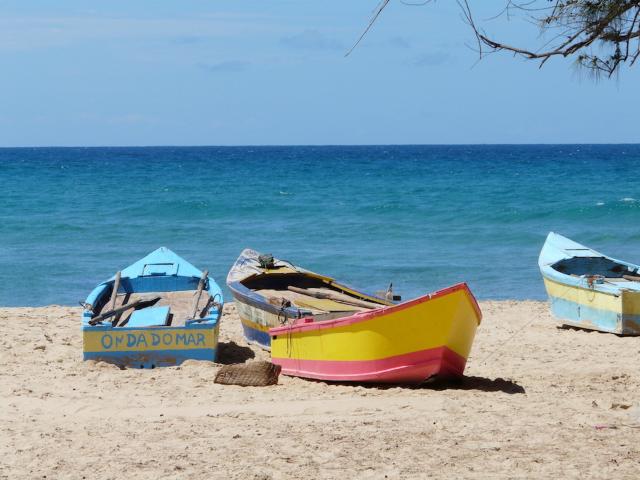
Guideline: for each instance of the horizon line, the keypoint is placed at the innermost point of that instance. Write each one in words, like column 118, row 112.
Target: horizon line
column 325, row 145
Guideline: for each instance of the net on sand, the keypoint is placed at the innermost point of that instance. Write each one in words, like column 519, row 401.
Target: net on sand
column 251, row 374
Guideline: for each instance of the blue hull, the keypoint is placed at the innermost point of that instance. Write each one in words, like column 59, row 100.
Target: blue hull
column 582, row 316
column 156, row 358
column 253, row 335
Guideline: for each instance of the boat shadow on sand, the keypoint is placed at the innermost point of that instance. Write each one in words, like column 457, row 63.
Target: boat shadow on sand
column 474, row 383
column 231, row 352
column 465, row 383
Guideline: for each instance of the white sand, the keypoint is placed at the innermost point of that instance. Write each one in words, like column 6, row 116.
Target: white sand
column 64, row 418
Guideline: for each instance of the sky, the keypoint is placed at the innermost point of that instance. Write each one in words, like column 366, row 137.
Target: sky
column 260, row 72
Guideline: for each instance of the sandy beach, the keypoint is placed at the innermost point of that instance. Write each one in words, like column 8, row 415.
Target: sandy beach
column 538, row 401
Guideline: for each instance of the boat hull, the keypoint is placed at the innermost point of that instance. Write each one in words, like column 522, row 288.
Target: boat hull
column 591, row 309
column 256, row 321
column 406, row 343
column 150, row 347
column 588, row 289
column 256, row 335
column 412, row 368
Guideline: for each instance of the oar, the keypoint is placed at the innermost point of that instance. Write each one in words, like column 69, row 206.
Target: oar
column 198, row 293
column 336, row 297
column 345, row 298
column 114, row 297
column 141, row 303
column 114, row 292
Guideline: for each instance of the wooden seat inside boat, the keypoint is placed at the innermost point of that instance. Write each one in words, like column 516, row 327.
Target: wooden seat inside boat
column 309, row 302
column 149, row 317
column 624, row 279
column 308, row 292
column 179, row 307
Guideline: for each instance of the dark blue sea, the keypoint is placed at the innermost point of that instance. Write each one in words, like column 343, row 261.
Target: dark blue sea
column 422, row 217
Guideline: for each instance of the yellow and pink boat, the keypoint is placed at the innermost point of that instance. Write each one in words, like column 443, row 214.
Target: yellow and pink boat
column 318, row 328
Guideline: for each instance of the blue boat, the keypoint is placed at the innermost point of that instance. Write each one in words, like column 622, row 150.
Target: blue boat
column 588, row 289
column 158, row 312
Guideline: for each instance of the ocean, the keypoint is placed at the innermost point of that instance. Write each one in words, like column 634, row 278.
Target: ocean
column 422, row 217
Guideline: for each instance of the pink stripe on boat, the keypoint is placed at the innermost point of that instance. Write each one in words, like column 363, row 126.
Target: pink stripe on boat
column 413, row 367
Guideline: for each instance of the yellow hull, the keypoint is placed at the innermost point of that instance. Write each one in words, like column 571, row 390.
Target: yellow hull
column 429, row 335
column 593, row 309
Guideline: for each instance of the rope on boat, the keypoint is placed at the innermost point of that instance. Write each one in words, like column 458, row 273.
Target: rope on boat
column 519, row 330
column 282, row 312
column 283, row 319
column 591, row 280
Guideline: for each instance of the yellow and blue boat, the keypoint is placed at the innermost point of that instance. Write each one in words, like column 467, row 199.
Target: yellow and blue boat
column 588, row 289
column 319, row 328
column 160, row 311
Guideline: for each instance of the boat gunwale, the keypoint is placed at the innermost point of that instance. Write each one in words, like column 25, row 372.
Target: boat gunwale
column 577, row 283
column 383, row 310
column 209, row 321
column 547, row 259
column 252, row 298
column 247, row 296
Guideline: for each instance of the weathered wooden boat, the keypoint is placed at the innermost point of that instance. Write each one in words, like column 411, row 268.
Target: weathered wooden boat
column 319, row 328
column 160, row 311
column 588, row 289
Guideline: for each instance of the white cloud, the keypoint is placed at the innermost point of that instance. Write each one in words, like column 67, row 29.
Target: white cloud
column 226, row 66
column 311, row 40
column 28, row 33
column 431, row 59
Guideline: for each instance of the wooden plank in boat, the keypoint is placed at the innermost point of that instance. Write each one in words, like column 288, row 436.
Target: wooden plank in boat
column 327, row 305
column 275, row 296
column 316, row 305
column 279, row 270
column 339, row 296
column 335, row 296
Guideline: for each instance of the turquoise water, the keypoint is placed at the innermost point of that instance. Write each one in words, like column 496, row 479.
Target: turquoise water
column 423, row 217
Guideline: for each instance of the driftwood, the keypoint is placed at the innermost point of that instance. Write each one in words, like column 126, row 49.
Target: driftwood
column 142, row 303
column 337, row 297
column 198, row 293
column 252, row 374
